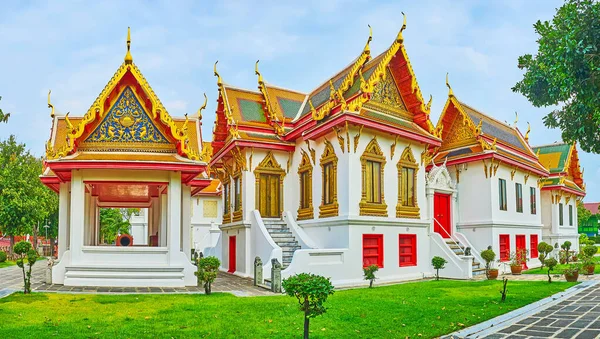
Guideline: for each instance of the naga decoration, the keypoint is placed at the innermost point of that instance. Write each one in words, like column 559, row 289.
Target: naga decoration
column 339, row 137
column 516, row 118
column 427, row 156
column 313, row 153
column 50, row 105
column 393, row 147
column 450, row 92
column 250, row 158
column 526, row 177
column 199, row 113
column 348, row 136
column 357, row 137
column 512, row 173
column 527, row 133
column 240, row 159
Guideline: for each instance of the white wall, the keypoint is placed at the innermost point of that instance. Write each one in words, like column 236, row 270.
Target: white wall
column 206, row 212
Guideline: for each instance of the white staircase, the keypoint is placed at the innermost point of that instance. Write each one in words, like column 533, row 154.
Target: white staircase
column 459, row 250
column 284, row 238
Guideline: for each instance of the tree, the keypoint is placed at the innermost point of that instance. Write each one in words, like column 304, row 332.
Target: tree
column 550, row 263
column 583, row 214
column 24, row 200
column 311, row 291
column 566, row 72
column 3, row 116
column 544, row 250
column 208, row 268
column 369, row 273
column 112, row 224
column 438, row 264
column 25, row 251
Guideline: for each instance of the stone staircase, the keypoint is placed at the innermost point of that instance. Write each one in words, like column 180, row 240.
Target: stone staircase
column 284, row 238
column 458, row 249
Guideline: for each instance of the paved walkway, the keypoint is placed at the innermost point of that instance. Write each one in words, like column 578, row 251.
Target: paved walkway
column 11, row 279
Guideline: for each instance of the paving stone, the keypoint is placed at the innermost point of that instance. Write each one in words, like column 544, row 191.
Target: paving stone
column 580, row 324
column 512, row 329
column 588, row 334
column 545, row 322
column 568, row 333
column 533, row 333
column 562, row 323
column 528, row 321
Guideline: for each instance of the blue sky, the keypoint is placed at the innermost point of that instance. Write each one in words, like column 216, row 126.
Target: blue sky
column 74, row 48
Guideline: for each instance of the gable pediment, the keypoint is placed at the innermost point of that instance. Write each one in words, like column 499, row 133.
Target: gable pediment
column 386, row 97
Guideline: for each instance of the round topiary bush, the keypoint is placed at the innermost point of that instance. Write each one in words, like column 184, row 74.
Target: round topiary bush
column 2, row 256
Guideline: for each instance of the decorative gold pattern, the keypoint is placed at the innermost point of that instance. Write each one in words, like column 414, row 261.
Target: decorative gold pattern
column 372, row 153
column 329, row 157
column 527, row 133
column 485, row 168
column 387, row 98
column 305, row 167
column 209, row 209
column 240, row 159
column 357, row 137
column 199, row 112
column 393, row 147
column 407, row 160
column 512, row 173
column 526, row 177
column 348, row 136
column 237, row 213
column 313, row 154
column 50, row 105
column 268, row 166
column 427, row 155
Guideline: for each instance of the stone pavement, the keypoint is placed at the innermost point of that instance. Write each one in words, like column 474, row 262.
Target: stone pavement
column 577, row 315
column 11, row 279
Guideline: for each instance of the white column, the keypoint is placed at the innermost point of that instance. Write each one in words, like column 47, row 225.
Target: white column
column 174, row 216
column 430, row 208
column 77, row 215
column 162, row 234
column 63, row 219
column 186, row 221
column 88, row 220
column 555, row 216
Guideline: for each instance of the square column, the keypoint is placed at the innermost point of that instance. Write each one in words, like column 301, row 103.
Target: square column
column 63, row 219
column 186, row 221
column 77, row 223
column 162, row 233
column 174, row 216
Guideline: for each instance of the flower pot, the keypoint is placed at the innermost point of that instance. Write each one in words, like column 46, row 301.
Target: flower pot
column 516, row 270
column 563, row 261
column 590, row 269
column 492, row 274
column 572, row 277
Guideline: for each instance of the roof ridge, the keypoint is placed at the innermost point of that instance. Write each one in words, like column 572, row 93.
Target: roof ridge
column 556, row 143
column 240, row 89
column 283, row 88
column 488, row 116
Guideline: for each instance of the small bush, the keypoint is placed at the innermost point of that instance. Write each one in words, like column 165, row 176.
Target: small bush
column 590, row 250
column 438, row 264
column 207, row 272
column 369, row 272
column 311, row 291
column 550, row 263
column 489, row 256
column 3, row 256
column 24, row 250
column 544, row 250
column 566, row 246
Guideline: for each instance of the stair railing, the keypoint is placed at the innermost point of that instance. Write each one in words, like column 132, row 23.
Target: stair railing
column 446, row 232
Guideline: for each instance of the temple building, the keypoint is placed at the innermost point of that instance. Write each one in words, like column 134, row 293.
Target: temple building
column 350, row 174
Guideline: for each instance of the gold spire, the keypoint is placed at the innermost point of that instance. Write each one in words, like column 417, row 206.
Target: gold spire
column 399, row 38
column 199, row 113
column 516, row 118
column 128, row 57
column 50, row 105
column 527, row 133
column 450, row 93
column 260, row 78
column 219, row 80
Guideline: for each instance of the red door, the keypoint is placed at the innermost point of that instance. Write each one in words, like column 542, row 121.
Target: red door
column 231, row 254
column 521, row 245
column 441, row 212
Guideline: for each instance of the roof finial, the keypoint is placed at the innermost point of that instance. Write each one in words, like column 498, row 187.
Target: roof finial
column 450, row 93
column 399, row 38
column 50, row 105
column 128, row 57
column 516, row 118
column 367, row 48
column 527, row 133
column 219, row 80
column 260, row 78
column 199, row 113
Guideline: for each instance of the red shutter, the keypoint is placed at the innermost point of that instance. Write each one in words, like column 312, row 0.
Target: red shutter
column 407, row 249
column 533, row 241
column 504, row 247
column 373, row 250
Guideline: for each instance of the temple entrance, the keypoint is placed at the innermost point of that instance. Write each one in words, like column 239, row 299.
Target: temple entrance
column 232, row 254
column 269, row 196
column 441, row 213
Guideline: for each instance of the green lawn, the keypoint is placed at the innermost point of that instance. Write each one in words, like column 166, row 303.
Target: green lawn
column 559, row 268
column 427, row 308
column 7, row 263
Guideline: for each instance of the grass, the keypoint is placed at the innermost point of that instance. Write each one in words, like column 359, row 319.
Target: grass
column 7, row 263
column 560, row 267
column 427, row 309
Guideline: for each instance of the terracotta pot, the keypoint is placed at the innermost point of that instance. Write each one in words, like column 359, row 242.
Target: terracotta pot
column 590, row 269
column 493, row 274
column 516, row 270
column 563, row 261
column 572, row 277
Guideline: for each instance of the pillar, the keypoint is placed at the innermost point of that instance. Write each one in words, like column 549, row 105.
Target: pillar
column 186, row 221
column 429, row 208
column 162, row 233
column 174, row 216
column 555, row 224
column 77, row 215
column 63, row 218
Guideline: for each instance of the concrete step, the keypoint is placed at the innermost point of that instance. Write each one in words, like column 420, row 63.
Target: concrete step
column 278, row 230
column 478, row 271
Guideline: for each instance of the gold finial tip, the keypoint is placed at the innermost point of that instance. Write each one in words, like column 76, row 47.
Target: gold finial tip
column 450, row 92
column 128, row 57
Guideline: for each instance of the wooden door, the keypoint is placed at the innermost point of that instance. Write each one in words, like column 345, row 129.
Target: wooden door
column 441, row 213
column 521, row 245
column 269, row 196
column 232, row 254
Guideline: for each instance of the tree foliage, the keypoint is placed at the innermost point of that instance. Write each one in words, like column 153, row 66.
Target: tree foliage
column 438, row 263
column 208, row 267
column 25, row 251
column 112, row 223
column 566, row 72
column 312, row 292
column 583, row 214
column 551, row 264
column 24, row 200
column 3, row 116
column 369, row 273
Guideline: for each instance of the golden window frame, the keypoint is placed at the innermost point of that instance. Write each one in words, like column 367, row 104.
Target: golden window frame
column 329, row 157
column 304, row 167
column 237, row 214
column 407, row 160
column 268, row 165
column 227, row 198
column 372, row 153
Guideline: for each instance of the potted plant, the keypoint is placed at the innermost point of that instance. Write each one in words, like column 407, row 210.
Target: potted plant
column 562, row 257
column 517, row 259
column 587, row 254
column 572, row 272
column 489, row 256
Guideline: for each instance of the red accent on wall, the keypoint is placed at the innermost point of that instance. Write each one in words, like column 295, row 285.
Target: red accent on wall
column 533, row 242
column 504, row 247
column 521, row 245
column 407, row 249
column 232, row 251
column 441, row 212
column 373, row 250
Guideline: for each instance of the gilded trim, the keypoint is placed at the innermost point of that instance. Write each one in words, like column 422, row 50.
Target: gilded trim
column 372, row 153
column 268, row 165
column 329, row 157
column 407, row 160
column 305, row 167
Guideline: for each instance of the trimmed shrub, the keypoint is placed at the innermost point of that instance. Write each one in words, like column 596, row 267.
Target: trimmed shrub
column 550, row 263
column 24, row 250
column 544, row 250
column 208, row 268
column 438, row 264
column 369, row 273
column 3, row 256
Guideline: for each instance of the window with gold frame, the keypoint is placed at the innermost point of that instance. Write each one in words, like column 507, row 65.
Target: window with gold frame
column 269, row 187
column 329, row 203
column 237, row 195
column 226, row 199
column 408, row 167
column 305, row 211
column 372, row 163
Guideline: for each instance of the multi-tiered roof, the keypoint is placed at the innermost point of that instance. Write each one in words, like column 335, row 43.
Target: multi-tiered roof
column 562, row 160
